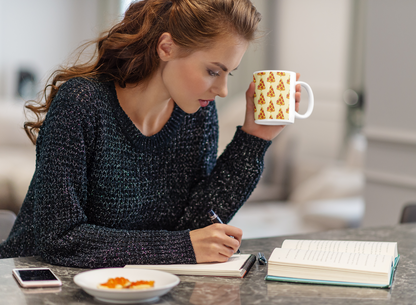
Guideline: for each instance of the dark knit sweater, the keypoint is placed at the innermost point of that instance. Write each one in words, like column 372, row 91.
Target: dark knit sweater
column 103, row 194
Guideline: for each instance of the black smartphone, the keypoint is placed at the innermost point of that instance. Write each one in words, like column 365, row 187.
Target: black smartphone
column 36, row 277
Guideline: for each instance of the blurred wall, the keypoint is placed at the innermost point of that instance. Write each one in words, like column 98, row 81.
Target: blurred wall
column 390, row 128
column 41, row 35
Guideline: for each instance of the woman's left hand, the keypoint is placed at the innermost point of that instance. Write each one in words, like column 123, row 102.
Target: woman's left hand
column 266, row 132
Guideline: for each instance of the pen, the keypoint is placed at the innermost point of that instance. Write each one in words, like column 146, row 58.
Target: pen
column 215, row 219
column 262, row 259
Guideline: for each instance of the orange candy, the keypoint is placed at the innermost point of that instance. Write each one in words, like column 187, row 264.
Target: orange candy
column 123, row 283
column 118, row 281
column 139, row 283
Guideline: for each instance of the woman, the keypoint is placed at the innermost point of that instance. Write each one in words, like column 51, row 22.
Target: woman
column 126, row 164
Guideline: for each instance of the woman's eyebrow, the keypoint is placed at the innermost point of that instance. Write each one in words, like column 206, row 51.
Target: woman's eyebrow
column 224, row 68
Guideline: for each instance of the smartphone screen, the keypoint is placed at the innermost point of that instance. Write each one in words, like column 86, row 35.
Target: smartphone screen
column 36, row 277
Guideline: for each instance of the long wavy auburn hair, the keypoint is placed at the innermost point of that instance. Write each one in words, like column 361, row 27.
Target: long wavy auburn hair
column 127, row 53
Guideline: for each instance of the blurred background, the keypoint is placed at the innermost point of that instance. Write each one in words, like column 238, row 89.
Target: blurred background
column 352, row 163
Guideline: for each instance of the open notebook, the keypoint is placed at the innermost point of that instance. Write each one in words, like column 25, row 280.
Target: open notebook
column 237, row 265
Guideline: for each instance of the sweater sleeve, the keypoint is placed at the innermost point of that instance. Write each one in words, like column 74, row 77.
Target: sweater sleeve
column 227, row 182
column 63, row 234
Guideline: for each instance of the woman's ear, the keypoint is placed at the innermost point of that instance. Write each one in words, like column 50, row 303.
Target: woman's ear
column 166, row 47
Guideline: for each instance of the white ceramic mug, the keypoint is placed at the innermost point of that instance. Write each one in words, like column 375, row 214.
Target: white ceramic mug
column 274, row 97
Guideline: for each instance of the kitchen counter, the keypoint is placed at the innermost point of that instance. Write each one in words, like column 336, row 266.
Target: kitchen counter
column 252, row 289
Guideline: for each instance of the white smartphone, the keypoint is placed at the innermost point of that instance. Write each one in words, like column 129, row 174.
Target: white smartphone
column 36, row 277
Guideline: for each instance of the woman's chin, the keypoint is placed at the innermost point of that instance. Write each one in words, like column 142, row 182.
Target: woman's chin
column 190, row 109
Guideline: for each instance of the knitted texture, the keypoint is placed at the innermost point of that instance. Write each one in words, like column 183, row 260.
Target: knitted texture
column 103, row 194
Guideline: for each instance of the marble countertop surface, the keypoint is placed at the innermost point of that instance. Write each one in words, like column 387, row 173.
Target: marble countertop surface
column 252, row 289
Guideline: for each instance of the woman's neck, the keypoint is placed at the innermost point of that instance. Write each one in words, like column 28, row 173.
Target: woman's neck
column 148, row 104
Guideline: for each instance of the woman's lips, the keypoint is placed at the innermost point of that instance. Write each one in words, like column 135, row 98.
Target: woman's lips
column 204, row 103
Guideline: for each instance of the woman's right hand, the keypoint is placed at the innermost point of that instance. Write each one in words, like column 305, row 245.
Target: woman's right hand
column 214, row 243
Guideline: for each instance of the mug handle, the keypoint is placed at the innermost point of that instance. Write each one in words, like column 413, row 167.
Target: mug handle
column 310, row 101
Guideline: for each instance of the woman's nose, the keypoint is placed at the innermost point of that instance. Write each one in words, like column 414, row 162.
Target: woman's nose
column 220, row 89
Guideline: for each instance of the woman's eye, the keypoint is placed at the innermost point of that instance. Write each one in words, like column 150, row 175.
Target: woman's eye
column 212, row 73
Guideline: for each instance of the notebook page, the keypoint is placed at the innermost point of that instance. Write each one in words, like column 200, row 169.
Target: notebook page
column 356, row 261
column 365, row 247
column 234, row 263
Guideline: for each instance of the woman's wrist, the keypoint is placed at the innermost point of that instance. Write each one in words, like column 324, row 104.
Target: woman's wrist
column 266, row 133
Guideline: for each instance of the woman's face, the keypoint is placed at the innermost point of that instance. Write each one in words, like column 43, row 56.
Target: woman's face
column 195, row 80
